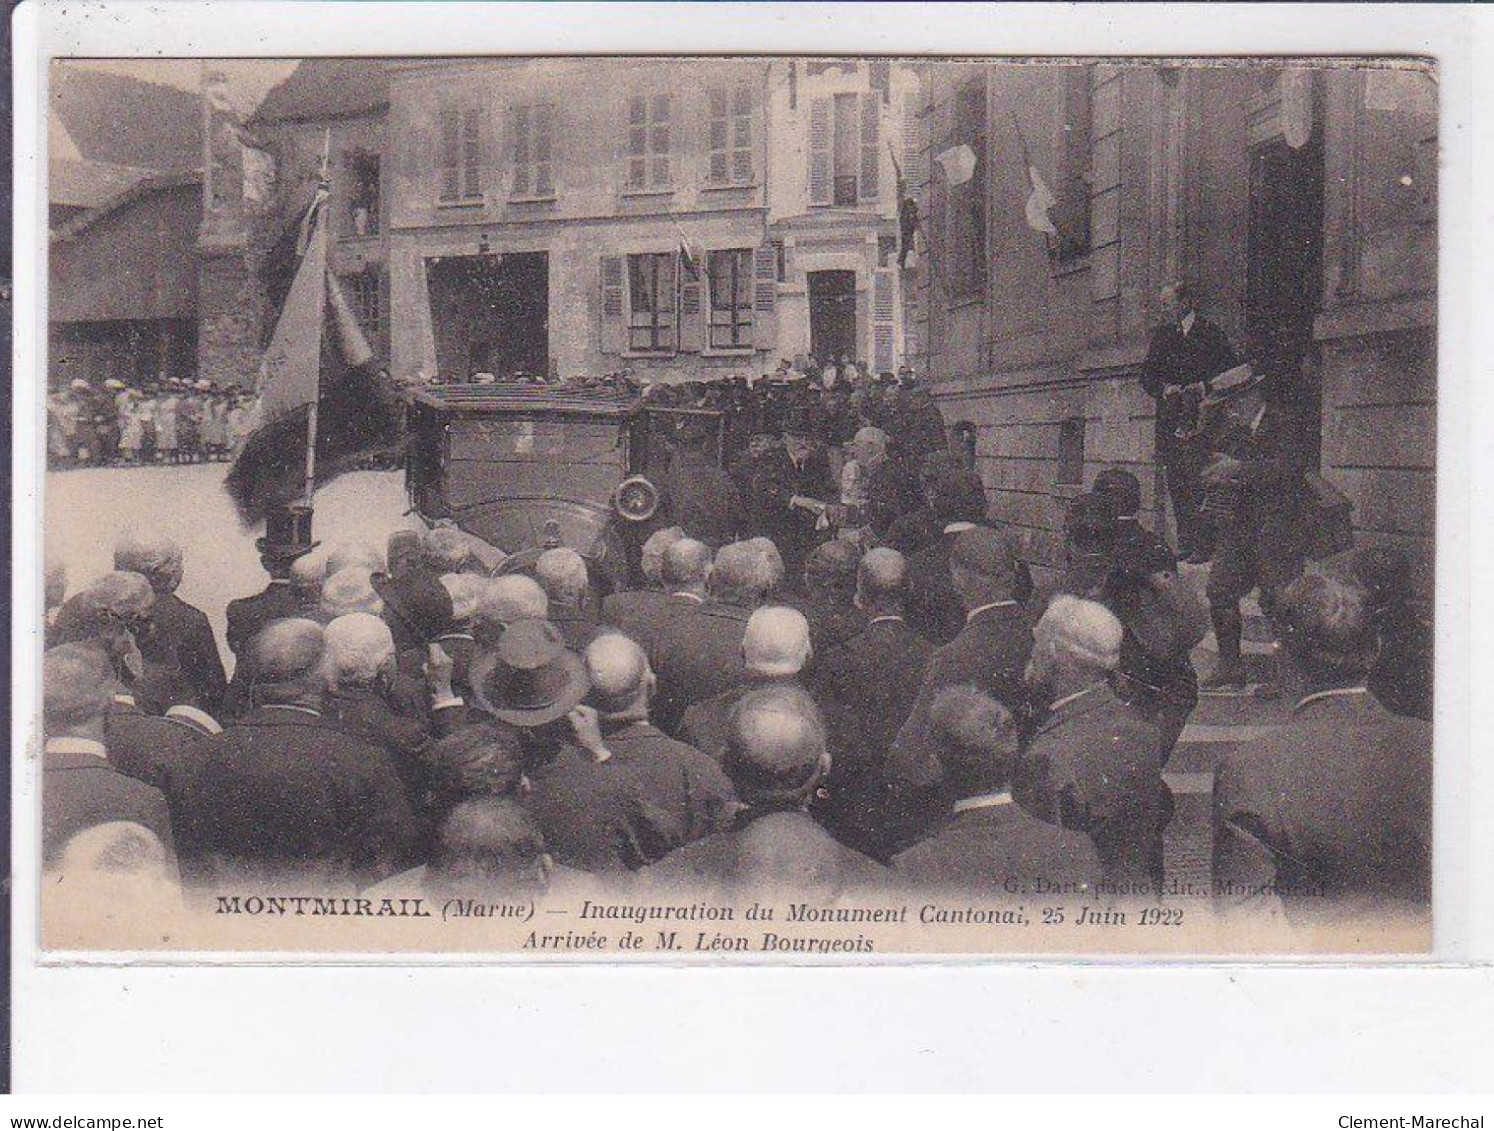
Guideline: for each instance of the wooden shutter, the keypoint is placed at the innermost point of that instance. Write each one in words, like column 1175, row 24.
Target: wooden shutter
column 820, row 169
column 660, row 142
column 614, row 328
column 542, row 149
column 741, row 135
column 448, row 155
column 693, row 305
column 871, row 157
column 472, row 123
column 718, row 131
column 520, row 153
column 765, row 297
column 884, row 320
column 915, row 171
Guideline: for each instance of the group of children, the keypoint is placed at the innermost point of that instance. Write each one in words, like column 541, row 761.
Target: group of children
column 176, row 420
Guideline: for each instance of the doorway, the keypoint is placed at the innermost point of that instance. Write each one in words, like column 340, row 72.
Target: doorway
column 490, row 313
column 1284, row 290
column 832, row 315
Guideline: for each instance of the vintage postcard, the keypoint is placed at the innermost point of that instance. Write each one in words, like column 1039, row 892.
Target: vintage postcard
column 746, row 507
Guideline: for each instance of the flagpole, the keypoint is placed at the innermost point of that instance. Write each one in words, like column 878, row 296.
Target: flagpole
column 309, row 489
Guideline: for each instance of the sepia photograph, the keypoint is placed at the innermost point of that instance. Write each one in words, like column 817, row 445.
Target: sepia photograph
column 738, row 507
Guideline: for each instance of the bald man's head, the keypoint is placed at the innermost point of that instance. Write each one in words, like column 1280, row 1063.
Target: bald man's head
column 776, row 753
column 288, row 663
column 882, row 582
column 687, row 565
column 621, row 680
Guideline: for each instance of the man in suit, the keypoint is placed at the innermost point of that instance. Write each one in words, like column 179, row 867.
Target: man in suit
column 866, row 687
column 627, row 609
column 1094, row 764
column 286, row 794
column 829, row 594
column 697, row 495
column 180, row 627
column 642, row 614
column 1333, row 813
column 1264, row 535
column 889, row 490
column 287, row 537
column 776, row 758
column 684, row 794
column 989, row 847
column 775, row 651
column 562, row 574
column 958, row 500
column 81, row 788
column 1184, row 355
column 989, row 653
column 787, row 485
column 698, row 654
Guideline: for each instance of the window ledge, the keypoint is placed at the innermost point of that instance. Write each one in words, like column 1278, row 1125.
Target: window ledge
column 464, row 203
column 732, row 186
column 654, row 355
column 728, row 351
column 549, row 198
column 670, row 191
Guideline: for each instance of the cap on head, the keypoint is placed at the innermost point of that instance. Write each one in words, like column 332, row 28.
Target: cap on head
column 1082, row 632
column 151, row 554
column 775, row 751
column 287, row 651
column 618, row 671
column 654, row 549
column 350, row 591
column 776, row 642
column 359, row 647
column 77, row 686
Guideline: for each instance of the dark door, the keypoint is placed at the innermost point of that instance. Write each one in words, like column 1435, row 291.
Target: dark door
column 1285, row 283
column 832, row 314
column 490, row 313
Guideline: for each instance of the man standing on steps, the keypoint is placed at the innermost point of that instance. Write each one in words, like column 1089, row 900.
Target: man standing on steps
column 1185, row 354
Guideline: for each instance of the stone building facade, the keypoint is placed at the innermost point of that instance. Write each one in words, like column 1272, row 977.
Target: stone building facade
column 1299, row 203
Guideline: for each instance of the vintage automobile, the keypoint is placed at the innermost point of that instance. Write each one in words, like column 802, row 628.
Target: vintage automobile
column 526, row 467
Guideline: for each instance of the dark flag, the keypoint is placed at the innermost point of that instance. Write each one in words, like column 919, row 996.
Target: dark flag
column 356, row 408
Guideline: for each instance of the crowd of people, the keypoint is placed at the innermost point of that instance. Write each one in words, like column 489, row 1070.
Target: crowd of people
column 837, row 675
column 173, row 420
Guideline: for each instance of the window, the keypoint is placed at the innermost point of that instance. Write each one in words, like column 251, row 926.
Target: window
column 965, row 204
column 461, row 154
column 1071, row 452
column 363, row 192
column 730, row 135
column 533, row 135
column 731, row 279
column 844, row 149
column 648, row 166
column 363, row 293
column 1072, row 218
column 652, row 317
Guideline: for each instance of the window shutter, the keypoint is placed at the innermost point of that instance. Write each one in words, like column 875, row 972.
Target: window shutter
column 472, row 122
column 871, row 157
column 765, row 297
column 819, row 151
column 614, row 329
column 448, row 156
column 693, row 305
column 542, row 149
column 660, row 143
column 519, row 153
column 884, row 320
column 914, row 169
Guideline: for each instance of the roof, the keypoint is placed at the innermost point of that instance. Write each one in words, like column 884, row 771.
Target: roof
column 123, row 121
column 141, row 187
column 90, row 184
column 326, row 88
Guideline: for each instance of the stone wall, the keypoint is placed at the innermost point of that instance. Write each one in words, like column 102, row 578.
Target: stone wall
column 230, row 319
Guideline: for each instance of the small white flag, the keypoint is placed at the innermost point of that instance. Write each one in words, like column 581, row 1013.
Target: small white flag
column 958, row 164
column 1040, row 203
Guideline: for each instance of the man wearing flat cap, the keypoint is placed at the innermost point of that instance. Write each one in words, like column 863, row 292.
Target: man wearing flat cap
column 776, row 758
column 286, row 795
column 182, row 628
column 1094, row 764
column 990, row 653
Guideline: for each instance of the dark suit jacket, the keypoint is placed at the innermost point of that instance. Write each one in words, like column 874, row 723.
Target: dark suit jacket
column 934, row 608
column 248, row 615
column 1095, row 765
column 706, row 724
column 913, row 530
column 990, row 653
column 772, row 480
column 189, row 633
column 683, row 793
column 1336, row 804
column 1268, row 529
column 866, row 688
column 636, row 612
column 772, row 852
column 831, row 622
column 697, row 654
column 997, row 852
column 576, row 627
column 80, row 791
column 1175, row 359
column 891, row 492
column 152, row 748
column 700, row 498
column 285, row 794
